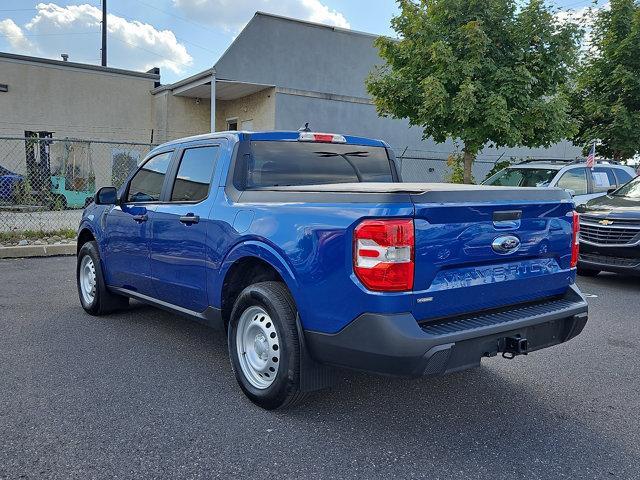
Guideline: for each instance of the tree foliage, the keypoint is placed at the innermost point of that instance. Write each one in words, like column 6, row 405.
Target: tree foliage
column 606, row 101
column 455, row 163
column 478, row 71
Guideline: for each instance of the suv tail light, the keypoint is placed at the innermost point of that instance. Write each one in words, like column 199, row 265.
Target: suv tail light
column 383, row 257
column 575, row 241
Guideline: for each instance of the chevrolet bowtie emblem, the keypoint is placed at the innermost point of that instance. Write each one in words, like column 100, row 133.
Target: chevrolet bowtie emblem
column 605, row 222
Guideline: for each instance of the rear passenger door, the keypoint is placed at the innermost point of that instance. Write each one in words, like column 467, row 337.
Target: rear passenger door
column 603, row 179
column 179, row 229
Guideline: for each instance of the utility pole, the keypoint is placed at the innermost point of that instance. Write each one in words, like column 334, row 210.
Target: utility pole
column 104, row 33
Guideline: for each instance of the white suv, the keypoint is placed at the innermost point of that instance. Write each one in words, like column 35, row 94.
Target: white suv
column 583, row 183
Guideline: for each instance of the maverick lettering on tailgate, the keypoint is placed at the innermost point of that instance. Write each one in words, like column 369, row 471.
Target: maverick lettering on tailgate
column 469, row 276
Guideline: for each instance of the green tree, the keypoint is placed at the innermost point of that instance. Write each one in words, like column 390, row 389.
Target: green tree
column 606, row 101
column 479, row 71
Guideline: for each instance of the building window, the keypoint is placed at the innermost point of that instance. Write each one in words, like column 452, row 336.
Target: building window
column 232, row 124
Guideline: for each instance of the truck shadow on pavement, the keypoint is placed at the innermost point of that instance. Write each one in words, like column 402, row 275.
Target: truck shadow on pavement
column 489, row 421
column 145, row 393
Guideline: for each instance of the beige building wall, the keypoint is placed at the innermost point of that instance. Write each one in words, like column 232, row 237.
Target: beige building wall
column 256, row 111
column 176, row 117
column 74, row 101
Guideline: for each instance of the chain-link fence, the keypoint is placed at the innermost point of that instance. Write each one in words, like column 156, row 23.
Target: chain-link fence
column 45, row 182
column 431, row 166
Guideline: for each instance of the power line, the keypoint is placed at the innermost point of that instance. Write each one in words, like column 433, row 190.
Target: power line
column 177, row 38
column 582, row 3
column 18, row 9
column 192, row 22
column 142, row 48
column 48, row 34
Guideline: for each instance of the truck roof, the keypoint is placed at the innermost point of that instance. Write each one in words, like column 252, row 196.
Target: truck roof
column 270, row 135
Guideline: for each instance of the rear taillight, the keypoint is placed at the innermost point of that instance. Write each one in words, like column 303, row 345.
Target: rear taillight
column 383, row 257
column 575, row 241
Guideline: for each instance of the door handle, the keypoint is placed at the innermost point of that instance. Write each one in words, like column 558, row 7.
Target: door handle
column 141, row 218
column 189, row 219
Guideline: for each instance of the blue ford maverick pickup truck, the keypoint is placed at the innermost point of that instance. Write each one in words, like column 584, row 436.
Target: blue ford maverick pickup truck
column 310, row 254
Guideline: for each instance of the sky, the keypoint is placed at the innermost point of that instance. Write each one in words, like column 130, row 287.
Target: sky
column 182, row 37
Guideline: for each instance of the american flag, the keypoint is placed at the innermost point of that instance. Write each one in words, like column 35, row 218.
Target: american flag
column 591, row 159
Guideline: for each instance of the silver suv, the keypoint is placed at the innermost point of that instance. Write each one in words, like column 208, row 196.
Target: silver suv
column 583, row 183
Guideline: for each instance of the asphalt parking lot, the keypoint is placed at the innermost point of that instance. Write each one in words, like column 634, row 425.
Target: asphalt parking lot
column 144, row 393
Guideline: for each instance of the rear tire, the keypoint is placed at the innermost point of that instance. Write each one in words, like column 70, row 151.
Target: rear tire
column 94, row 296
column 264, row 347
column 587, row 272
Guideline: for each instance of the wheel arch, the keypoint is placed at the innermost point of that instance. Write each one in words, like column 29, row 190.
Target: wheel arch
column 85, row 235
column 248, row 263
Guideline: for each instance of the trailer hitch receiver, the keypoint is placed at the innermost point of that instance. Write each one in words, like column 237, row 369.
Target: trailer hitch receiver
column 513, row 346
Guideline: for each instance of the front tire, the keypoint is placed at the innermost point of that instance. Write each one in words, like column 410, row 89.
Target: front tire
column 264, row 346
column 94, row 296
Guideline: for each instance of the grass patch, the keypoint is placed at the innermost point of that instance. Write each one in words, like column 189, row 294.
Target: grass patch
column 36, row 234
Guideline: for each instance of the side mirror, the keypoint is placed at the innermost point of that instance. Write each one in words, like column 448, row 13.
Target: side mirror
column 107, row 196
column 611, row 190
column 570, row 192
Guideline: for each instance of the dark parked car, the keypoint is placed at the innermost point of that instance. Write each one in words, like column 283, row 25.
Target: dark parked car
column 9, row 184
column 610, row 232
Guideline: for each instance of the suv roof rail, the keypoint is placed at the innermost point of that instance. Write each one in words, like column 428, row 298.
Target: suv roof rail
column 547, row 160
column 568, row 161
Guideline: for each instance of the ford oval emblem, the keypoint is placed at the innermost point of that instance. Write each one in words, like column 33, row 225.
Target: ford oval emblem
column 505, row 244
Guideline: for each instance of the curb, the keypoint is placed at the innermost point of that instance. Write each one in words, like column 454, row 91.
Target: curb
column 38, row 251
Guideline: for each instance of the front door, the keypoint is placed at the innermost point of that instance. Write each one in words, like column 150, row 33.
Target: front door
column 179, row 230
column 128, row 228
column 576, row 181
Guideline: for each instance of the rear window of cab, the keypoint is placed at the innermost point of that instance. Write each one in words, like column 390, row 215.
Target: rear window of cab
column 275, row 163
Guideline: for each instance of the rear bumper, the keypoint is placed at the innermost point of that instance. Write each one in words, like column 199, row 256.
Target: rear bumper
column 396, row 344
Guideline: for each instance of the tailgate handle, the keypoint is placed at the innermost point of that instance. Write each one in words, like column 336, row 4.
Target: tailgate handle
column 189, row 219
column 507, row 215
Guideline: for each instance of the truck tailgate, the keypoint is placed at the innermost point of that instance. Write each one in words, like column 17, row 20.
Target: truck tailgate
column 478, row 248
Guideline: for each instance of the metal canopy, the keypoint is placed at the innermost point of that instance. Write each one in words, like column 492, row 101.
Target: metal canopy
column 225, row 89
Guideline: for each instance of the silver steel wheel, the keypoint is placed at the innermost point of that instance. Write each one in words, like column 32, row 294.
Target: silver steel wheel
column 257, row 347
column 87, row 279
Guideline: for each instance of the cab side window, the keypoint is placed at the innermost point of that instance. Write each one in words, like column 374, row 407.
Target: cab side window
column 146, row 185
column 623, row 176
column 574, row 179
column 194, row 174
column 603, row 179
